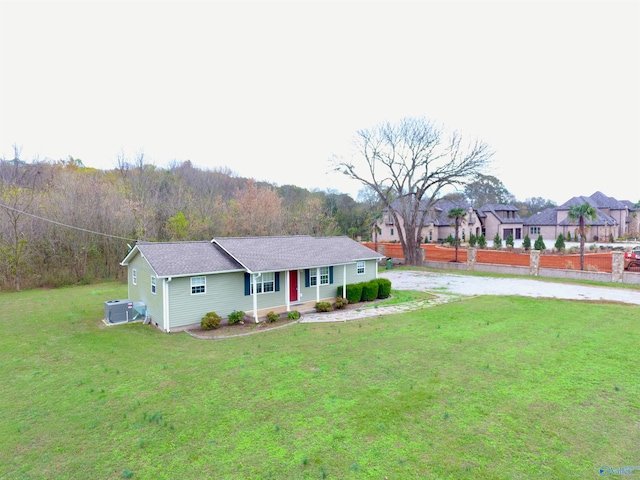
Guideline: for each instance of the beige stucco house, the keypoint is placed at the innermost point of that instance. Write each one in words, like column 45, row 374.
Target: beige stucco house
column 614, row 218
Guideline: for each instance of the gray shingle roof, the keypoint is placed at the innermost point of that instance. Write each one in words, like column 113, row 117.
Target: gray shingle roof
column 260, row 254
column 255, row 254
column 186, row 258
column 495, row 208
column 548, row 216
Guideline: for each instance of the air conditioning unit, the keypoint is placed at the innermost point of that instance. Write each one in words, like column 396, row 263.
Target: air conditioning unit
column 122, row 311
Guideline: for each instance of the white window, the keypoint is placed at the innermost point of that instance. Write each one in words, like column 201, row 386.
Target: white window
column 360, row 268
column 265, row 283
column 153, row 285
column 198, row 285
column 535, row 230
column 324, row 276
column 134, row 276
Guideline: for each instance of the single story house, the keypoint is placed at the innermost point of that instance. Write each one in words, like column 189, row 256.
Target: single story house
column 181, row 281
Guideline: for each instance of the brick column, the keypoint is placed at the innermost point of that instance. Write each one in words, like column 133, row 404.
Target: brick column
column 617, row 266
column 534, row 262
column 471, row 258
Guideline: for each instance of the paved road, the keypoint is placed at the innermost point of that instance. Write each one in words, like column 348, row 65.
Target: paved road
column 469, row 286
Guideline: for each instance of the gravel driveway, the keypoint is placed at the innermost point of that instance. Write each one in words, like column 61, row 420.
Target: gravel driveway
column 469, row 286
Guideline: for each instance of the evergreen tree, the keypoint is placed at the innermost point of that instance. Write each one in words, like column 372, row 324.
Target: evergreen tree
column 539, row 244
column 497, row 242
column 526, row 243
column 482, row 242
column 509, row 241
column 560, row 243
column 473, row 240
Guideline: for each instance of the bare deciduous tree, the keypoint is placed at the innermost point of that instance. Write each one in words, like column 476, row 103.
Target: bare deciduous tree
column 412, row 161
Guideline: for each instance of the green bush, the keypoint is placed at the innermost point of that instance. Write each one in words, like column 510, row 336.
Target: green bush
column 272, row 317
column 482, row 241
column 293, row 315
column 210, row 321
column 560, row 243
column 384, row 288
column 235, row 317
column 354, row 292
column 369, row 291
column 568, row 236
column 340, row 303
column 526, row 243
column 323, row 307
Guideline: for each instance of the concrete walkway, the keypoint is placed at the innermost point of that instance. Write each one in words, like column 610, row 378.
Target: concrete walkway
column 374, row 311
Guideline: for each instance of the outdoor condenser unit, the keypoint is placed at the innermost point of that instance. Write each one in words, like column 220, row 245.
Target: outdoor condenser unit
column 119, row 311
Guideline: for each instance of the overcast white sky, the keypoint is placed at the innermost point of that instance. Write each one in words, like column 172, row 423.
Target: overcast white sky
column 273, row 89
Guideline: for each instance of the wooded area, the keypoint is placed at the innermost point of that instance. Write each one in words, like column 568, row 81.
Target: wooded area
column 138, row 201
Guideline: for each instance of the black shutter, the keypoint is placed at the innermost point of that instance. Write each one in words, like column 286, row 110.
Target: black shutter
column 277, row 275
column 306, row 277
column 247, row 284
column 331, row 275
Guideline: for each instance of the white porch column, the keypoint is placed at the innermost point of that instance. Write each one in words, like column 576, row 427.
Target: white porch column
column 287, row 292
column 344, row 281
column 255, row 296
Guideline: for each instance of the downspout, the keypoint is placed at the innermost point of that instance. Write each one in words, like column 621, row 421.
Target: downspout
column 255, row 295
column 165, row 304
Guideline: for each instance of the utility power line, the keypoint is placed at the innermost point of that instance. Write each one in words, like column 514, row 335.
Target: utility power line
column 65, row 225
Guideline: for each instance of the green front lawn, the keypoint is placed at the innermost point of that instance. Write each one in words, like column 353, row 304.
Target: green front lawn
column 496, row 388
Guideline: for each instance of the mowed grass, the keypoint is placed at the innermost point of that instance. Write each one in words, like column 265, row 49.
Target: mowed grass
column 495, row 388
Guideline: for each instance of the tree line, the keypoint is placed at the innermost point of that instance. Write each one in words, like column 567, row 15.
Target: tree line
column 63, row 223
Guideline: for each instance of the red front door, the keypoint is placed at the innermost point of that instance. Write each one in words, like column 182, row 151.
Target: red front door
column 293, row 286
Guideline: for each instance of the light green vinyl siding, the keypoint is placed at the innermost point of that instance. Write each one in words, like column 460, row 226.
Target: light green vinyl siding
column 142, row 291
column 370, row 269
column 224, row 294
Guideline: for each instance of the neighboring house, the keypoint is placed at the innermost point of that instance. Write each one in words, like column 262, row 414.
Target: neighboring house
column 613, row 219
column 437, row 225
column 502, row 220
column 181, row 281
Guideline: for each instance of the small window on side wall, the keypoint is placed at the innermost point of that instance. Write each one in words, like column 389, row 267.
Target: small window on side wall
column 134, row 276
column 198, row 285
column 153, row 285
column 360, row 268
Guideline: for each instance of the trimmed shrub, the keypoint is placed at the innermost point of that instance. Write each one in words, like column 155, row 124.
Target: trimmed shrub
column 272, row 317
column 473, row 240
column 323, row 307
column 369, row 291
column 293, row 315
column 210, row 321
column 482, row 241
column 340, row 303
column 384, row 288
column 235, row 317
column 526, row 243
column 354, row 292
column 560, row 243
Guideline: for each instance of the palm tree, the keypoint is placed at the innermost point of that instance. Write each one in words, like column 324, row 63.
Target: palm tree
column 457, row 214
column 581, row 213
